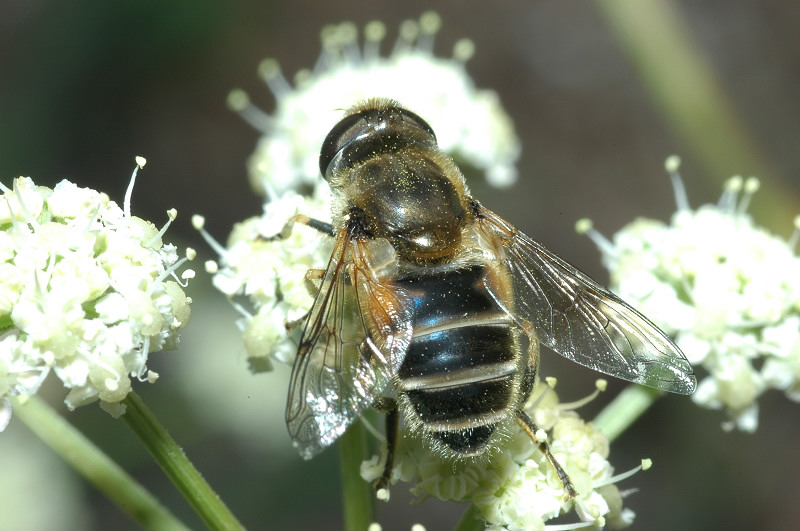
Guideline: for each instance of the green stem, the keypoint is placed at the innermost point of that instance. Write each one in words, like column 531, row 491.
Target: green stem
column 471, row 520
column 357, row 495
column 177, row 466
column 628, row 406
column 89, row 461
column 682, row 83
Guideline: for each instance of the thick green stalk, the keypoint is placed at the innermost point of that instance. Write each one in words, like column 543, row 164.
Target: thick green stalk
column 89, row 461
column 623, row 411
column 358, row 497
column 177, row 466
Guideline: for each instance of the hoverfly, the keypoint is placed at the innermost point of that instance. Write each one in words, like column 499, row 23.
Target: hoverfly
column 434, row 307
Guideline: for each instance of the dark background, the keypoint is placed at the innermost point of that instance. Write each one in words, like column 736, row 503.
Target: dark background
column 87, row 85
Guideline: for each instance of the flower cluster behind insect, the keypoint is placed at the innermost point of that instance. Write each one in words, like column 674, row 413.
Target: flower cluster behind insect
column 727, row 290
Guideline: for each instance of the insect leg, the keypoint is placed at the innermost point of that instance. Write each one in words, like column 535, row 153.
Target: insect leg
column 321, row 226
column 530, row 428
column 313, row 277
column 525, row 421
column 387, row 406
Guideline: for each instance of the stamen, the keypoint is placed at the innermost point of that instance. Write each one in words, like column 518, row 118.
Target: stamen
column 600, row 385
column 409, row 29
column 93, row 218
column 126, row 204
column 348, row 39
column 211, row 267
column 40, row 291
column 270, row 71
column 727, row 201
column 145, row 345
column 751, row 186
column 239, row 101
column 429, row 24
column 646, row 464
column 242, row 310
column 568, row 527
column 302, row 76
column 606, row 247
column 185, row 276
column 198, row 222
column 588, row 513
column 541, row 395
column 672, row 164
column 270, row 192
column 329, row 38
column 374, row 32
column 463, row 50
column 172, row 214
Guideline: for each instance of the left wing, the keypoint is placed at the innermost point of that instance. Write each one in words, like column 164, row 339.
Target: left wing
column 354, row 340
column 580, row 319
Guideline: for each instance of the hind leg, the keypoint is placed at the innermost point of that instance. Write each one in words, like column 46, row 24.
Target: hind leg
column 526, row 423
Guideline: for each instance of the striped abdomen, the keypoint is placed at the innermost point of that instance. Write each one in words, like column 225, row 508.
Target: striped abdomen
column 462, row 373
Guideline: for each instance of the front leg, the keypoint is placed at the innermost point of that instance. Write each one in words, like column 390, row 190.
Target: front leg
column 312, row 280
column 313, row 277
column 321, row 226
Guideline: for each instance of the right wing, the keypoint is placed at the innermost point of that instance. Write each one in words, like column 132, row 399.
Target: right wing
column 580, row 319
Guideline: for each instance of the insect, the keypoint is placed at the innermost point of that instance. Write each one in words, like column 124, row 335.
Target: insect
column 433, row 307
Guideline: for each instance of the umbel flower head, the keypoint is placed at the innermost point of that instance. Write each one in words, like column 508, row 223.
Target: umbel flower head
column 516, row 487
column 85, row 293
column 470, row 124
column 269, row 270
column 725, row 289
column 267, row 264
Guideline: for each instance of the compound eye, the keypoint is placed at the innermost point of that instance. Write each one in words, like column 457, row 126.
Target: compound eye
column 414, row 119
column 348, row 128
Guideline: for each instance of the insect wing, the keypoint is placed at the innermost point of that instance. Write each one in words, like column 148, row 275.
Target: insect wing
column 581, row 320
column 354, row 340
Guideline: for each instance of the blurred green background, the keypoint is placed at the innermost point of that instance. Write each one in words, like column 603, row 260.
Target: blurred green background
column 600, row 92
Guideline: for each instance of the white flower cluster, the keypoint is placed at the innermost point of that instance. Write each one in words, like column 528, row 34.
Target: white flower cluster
column 516, row 487
column 470, row 124
column 726, row 290
column 84, row 293
column 269, row 269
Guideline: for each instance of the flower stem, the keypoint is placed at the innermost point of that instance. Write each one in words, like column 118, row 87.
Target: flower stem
column 471, row 520
column 628, row 406
column 177, row 466
column 666, row 54
column 357, row 495
column 89, row 461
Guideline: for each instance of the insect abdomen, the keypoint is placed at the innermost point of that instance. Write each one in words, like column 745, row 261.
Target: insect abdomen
column 461, row 371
